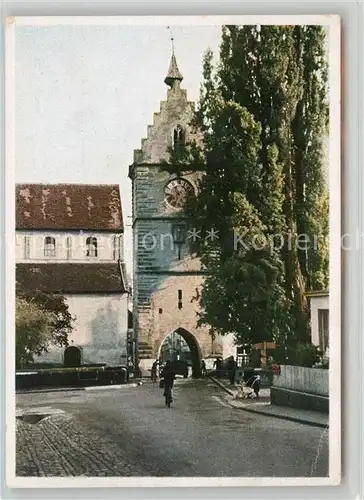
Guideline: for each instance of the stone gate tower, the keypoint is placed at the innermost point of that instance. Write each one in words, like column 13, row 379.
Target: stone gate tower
column 166, row 276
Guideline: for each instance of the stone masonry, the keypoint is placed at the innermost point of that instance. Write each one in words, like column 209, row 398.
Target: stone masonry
column 166, row 279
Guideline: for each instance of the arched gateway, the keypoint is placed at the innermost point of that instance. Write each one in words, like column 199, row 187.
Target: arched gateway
column 167, row 279
column 182, row 345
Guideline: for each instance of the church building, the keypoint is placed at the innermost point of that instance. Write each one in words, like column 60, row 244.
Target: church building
column 167, row 278
column 69, row 241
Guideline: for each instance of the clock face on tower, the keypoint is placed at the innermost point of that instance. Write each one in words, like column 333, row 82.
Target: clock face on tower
column 176, row 193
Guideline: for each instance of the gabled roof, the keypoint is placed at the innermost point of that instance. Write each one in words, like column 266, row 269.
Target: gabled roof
column 68, row 277
column 69, row 206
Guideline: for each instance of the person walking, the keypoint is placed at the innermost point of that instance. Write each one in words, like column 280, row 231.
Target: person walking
column 203, row 368
column 154, row 371
column 218, row 367
column 232, row 370
column 168, row 376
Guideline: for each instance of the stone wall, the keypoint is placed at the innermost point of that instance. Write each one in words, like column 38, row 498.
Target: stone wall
column 100, row 329
column 176, row 110
column 301, row 387
column 299, row 378
column 160, row 270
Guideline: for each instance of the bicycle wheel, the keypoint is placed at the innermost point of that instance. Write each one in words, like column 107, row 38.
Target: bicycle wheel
column 168, row 397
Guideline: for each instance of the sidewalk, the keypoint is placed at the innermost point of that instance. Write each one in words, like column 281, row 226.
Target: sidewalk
column 262, row 406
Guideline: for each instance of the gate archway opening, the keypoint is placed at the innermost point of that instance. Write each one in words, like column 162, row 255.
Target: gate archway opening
column 181, row 345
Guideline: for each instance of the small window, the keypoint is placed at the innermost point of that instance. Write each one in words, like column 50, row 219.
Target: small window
column 323, row 325
column 178, row 137
column 49, row 246
column 91, row 244
column 69, row 247
column 180, row 299
column 160, row 310
column 116, row 248
column 26, row 247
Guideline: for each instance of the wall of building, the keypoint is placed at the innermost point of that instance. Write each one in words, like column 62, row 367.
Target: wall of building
column 302, row 379
column 176, row 110
column 302, row 388
column 100, row 329
column 109, row 246
column 320, row 302
column 163, row 315
column 228, row 346
column 160, row 270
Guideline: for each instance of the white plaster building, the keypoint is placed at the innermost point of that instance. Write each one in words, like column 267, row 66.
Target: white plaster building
column 69, row 240
column 320, row 318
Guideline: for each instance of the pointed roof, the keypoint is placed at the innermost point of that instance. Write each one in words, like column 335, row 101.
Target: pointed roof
column 173, row 72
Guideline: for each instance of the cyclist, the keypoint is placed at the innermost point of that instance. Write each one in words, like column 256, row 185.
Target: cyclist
column 168, row 376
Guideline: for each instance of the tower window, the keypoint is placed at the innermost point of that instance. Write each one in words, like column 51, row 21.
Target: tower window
column 91, row 244
column 49, row 246
column 178, row 137
column 180, row 299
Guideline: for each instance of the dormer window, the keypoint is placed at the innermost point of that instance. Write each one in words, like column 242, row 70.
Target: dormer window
column 49, row 246
column 91, row 244
column 178, row 137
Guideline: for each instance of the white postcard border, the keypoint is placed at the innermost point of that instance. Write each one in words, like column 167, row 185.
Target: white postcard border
column 333, row 22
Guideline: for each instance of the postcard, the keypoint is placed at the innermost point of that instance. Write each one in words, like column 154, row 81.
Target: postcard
column 173, row 251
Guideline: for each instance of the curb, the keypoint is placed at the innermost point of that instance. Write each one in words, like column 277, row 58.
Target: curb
column 73, row 389
column 220, row 384
column 274, row 415
column 56, row 389
column 108, row 387
column 282, row 417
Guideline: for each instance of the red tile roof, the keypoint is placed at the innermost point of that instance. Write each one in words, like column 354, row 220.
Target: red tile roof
column 69, row 206
column 71, row 277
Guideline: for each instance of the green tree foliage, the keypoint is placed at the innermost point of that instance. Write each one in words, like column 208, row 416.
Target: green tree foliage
column 262, row 116
column 42, row 320
column 280, row 75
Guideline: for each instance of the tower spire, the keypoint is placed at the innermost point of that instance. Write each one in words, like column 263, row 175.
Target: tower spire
column 174, row 73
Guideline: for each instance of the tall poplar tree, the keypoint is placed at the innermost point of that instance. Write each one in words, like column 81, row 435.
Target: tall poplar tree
column 263, row 116
column 280, row 75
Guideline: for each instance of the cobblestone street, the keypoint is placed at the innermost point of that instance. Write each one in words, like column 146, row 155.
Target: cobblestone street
column 129, row 432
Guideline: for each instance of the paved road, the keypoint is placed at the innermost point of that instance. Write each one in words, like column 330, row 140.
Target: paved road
column 129, row 432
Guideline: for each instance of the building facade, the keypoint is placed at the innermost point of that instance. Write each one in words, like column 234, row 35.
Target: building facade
column 69, row 241
column 167, row 278
column 320, row 309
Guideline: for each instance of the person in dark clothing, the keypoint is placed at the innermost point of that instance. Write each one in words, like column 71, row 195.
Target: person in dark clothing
column 218, row 367
column 154, row 371
column 203, row 368
column 168, row 376
column 232, row 370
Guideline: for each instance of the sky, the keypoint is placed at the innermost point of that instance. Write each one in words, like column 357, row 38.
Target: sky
column 85, row 94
